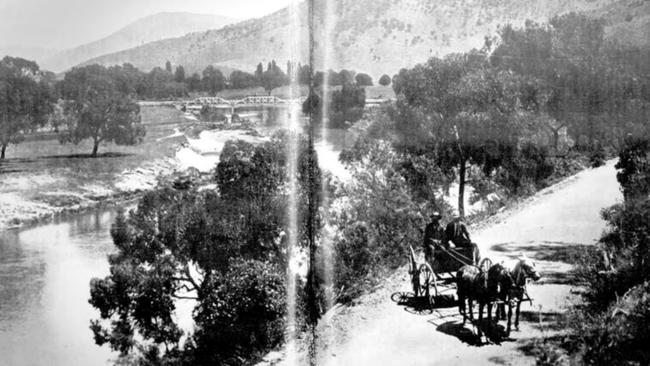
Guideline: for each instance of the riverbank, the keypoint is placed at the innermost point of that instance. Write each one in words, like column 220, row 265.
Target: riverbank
column 42, row 180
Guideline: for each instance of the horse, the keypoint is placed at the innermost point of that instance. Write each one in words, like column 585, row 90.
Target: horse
column 472, row 284
column 522, row 269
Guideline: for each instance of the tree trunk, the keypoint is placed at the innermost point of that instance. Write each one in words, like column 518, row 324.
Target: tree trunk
column 95, row 147
column 461, row 189
column 2, row 153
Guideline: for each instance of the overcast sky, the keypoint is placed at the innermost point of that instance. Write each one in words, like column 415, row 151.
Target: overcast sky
column 63, row 24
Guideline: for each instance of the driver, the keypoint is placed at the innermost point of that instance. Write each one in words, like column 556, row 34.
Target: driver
column 433, row 235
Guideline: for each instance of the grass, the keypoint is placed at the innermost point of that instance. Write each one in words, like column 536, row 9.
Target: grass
column 51, row 165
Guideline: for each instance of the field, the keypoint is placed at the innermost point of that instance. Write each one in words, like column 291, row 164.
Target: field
column 41, row 176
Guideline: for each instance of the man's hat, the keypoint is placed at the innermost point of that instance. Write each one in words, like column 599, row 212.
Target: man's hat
column 435, row 215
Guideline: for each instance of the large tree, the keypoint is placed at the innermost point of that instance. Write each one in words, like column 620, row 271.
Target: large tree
column 26, row 100
column 469, row 108
column 96, row 109
column 224, row 249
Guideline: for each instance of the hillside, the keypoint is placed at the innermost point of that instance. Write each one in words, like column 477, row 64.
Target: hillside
column 378, row 36
column 148, row 29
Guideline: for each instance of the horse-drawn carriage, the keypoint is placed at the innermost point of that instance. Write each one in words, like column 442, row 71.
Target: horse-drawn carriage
column 439, row 269
column 433, row 279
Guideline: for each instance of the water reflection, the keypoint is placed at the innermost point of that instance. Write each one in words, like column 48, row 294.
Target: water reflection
column 44, row 277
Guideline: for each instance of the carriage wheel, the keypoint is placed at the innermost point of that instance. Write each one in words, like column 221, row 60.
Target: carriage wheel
column 427, row 279
column 485, row 264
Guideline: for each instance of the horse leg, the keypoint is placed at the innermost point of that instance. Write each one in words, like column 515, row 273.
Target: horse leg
column 461, row 307
column 501, row 310
column 517, row 316
column 489, row 312
column 509, row 317
column 470, row 305
column 481, row 304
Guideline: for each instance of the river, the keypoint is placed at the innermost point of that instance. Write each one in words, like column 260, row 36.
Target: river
column 44, row 290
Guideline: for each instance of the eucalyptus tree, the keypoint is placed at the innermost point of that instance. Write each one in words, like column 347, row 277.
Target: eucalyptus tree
column 26, row 100
column 96, row 109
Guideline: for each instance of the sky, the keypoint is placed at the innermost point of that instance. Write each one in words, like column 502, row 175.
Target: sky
column 61, row 24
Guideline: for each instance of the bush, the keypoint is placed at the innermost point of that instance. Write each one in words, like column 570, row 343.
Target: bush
column 241, row 315
column 619, row 335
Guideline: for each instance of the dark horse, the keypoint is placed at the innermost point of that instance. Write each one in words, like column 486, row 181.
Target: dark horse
column 522, row 269
column 472, row 283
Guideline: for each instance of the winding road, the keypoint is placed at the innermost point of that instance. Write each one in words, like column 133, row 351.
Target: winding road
column 549, row 227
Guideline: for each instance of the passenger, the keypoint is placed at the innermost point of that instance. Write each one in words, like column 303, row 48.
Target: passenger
column 457, row 233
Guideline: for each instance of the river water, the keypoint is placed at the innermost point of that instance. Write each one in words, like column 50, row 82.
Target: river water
column 44, row 290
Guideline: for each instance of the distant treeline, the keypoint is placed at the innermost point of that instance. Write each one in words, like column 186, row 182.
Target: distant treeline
column 173, row 82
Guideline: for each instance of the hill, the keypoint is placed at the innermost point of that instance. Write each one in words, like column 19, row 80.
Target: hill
column 375, row 36
column 145, row 30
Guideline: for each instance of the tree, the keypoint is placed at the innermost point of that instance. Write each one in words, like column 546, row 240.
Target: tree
column 25, row 100
column 259, row 70
column 213, row 80
column 96, row 109
column 363, row 79
column 304, row 74
column 333, row 78
column 345, row 106
column 179, row 75
column 346, row 76
column 194, row 82
column 384, row 80
column 242, row 80
column 273, row 77
column 470, row 108
column 168, row 66
column 225, row 249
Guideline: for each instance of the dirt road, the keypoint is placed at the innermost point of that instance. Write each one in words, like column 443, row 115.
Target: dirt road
column 556, row 222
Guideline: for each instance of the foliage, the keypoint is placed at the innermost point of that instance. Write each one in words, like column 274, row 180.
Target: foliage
column 472, row 111
column 385, row 80
column 363, row 79
column 634, row 165
column 179, row 74
column 26, row 100
column 224, row 250
column 244, row 307
column 375, row 219
column 594, row 88
column 96, row 109
column 242, row 80
column 612, row 326
column 213, row 80
column 345, row 106
column 211, row 114
column 273, row 77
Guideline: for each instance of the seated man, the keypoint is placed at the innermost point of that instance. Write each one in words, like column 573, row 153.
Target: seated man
column 434, row 234
column 457, row 233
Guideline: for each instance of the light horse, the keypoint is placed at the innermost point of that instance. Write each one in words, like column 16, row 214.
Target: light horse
column 519, row 271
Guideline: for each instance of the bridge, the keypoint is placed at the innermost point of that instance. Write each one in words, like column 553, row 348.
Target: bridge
column 195, row 105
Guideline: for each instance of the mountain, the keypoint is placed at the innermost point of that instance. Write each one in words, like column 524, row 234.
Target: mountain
column 374, row 36
column 148, row 29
